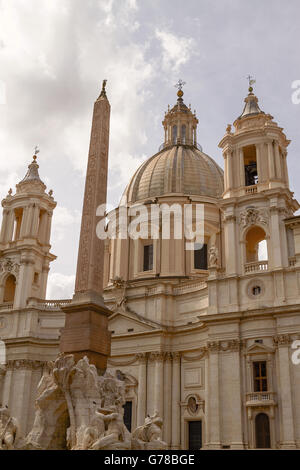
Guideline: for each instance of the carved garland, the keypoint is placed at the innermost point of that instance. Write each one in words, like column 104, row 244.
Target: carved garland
column 7, row 265
column 27, row 364
column 252, row 216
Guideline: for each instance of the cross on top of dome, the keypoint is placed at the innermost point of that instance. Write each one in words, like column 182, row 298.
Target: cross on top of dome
column 251, row 82
column 179, row 85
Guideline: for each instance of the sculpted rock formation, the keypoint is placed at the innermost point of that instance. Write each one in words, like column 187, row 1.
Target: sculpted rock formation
column 8, row 430
column 78, row 409
column 148, row 436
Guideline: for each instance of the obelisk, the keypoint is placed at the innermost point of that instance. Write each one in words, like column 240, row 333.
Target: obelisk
column 86, row 326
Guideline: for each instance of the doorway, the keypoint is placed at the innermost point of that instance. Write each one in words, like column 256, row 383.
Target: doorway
column 195, row 435
column 262, row 431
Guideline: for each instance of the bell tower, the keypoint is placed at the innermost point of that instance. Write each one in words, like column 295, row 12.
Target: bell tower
column 256, row 198
column 25, row 240
column 254, row 153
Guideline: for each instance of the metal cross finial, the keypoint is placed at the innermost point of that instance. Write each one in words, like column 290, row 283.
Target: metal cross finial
column 36, row 150
column 180, row 84
column 250, row 80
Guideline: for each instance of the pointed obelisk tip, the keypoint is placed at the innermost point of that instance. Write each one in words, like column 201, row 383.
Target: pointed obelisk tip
column 103, row 91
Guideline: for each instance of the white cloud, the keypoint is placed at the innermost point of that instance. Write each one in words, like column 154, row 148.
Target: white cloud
column 63, row 219
column 177, row 50
column 60, row 286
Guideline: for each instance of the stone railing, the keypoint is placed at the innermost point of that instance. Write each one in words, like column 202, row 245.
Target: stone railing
column 6, row 306
column 251, row 189
column 260, row 398
column 190, row 288
column 48, row 304
column 292, row 261
column 256, row 266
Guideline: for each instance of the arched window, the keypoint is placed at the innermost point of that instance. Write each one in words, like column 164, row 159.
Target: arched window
column 256, row 245
column 262, row 431
column 174, row 134
column 9, row 289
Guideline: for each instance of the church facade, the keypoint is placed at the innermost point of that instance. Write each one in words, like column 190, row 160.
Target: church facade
column 207, row 337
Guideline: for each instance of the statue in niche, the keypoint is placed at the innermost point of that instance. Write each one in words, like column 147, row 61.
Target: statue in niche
column 213, row 257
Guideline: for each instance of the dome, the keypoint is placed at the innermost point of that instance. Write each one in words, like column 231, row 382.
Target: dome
column 178, row 169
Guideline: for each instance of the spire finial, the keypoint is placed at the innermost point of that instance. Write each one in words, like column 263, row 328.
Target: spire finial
column 179, row 85
column 36, row 151
column 103, row 91
column 251, row 82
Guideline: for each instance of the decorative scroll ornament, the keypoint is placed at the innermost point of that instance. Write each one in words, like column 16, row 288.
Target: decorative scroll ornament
column 7, row 265
column 252, row 216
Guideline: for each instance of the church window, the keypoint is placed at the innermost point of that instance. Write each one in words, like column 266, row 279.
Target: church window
column 174, row 134
column 250, row 164
column 148, row 257
column 200, row 256
column 128, row 415
column 36, row 278
column 260, row 376
column 256, row 245
column 256, row 290
column 9, row 289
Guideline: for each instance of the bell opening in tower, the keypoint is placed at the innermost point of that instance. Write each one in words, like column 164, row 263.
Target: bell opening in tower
column 9, row 289
column 250, row 165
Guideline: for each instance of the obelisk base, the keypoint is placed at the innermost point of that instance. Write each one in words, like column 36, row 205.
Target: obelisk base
column 86, row 330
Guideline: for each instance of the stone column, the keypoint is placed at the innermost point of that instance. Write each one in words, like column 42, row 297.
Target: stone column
column 271, row 161
column 10, row 226
column 159, row 384
column 28, row 221
column 86, row 328
column 6, row 391
column 230, row 169
column 230, row 244
column 236, row 398
column 142, row 390
column 167, row 429
column 275, row 238
column 176, row 395
column 226, row 185
column 277, row 161
column 24, row 280
column 4, row 226
column 2, row 378
column 214, row 397
column 48, row 227
column 24, row 222
column 242, row 167
column 285, row 168
column 287, row 413
column 258, row 162
column 35, row 221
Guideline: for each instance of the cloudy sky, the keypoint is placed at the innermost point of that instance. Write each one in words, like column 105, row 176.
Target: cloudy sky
column 54, row 55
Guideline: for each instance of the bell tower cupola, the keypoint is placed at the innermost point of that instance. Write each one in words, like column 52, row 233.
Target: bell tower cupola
column 25, row 239
column 254, row 152
column 180, row 123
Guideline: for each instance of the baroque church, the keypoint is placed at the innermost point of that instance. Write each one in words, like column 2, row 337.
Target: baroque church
column 204, row 337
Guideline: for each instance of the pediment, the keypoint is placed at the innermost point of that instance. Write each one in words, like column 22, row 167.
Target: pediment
column 125, row 323
column 258, row 348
